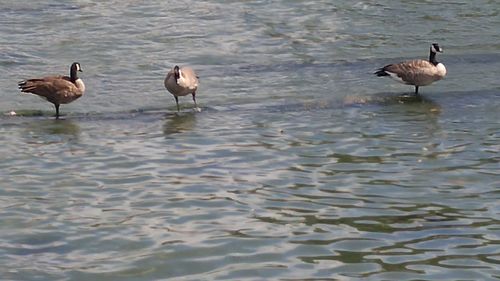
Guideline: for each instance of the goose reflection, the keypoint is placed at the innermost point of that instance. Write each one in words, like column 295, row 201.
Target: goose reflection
column 52, row 131
column 416, row 118
column 179, row 123
column 415, row 103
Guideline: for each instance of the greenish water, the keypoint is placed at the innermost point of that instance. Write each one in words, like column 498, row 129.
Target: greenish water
column 302, row 165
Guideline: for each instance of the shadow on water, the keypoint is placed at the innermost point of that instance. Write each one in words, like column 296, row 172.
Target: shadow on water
column 411, row 101
column 381, row 99
column 178, row 122
column 29, row 113
column 41, row 122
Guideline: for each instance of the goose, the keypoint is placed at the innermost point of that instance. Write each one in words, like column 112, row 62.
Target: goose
column 56, row 89
column 416, row 72
column 182, row 81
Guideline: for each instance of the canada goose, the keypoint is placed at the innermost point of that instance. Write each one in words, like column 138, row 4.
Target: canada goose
column 56, row 89
column 416, row 72
column 181, row 82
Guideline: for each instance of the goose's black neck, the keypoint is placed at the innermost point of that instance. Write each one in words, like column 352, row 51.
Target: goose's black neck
column 432, row 57
column 73, row 75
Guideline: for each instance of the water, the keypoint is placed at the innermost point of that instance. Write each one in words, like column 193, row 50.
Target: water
column 301, row 165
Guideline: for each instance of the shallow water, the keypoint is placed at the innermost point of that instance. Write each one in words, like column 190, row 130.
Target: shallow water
column 301, row 164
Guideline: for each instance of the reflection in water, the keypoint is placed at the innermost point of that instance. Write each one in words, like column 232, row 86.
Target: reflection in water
column 63, row 130
column 58, row 127
column 179, row 123
column 389, row 99
column 353, row 191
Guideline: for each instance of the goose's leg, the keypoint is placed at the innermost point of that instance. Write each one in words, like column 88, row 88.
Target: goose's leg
column 194, row 99
column 57, row 110
column 177, row 102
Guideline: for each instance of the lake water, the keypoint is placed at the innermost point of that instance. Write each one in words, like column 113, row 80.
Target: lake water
column 301, row 165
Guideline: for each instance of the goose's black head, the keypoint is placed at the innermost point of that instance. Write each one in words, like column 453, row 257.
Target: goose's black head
column 75, row 67
column 177, row 74
column 435, row 48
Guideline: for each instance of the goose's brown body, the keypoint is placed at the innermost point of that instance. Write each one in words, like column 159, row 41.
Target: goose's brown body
column 56, row 89
column 416, row 72
column 181, row 81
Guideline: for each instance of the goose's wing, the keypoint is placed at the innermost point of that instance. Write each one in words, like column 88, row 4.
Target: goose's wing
column 189, row 78
column 57, row 89
column 411, row 71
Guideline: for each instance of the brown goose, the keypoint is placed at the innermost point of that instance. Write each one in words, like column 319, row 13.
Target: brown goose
column 56, row 89
column 182, row 81
column 416, row 72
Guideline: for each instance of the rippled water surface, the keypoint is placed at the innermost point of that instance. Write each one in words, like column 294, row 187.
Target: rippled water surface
column 301, row 165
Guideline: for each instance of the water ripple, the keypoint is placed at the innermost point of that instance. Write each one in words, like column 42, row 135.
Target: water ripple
column 302, row 165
